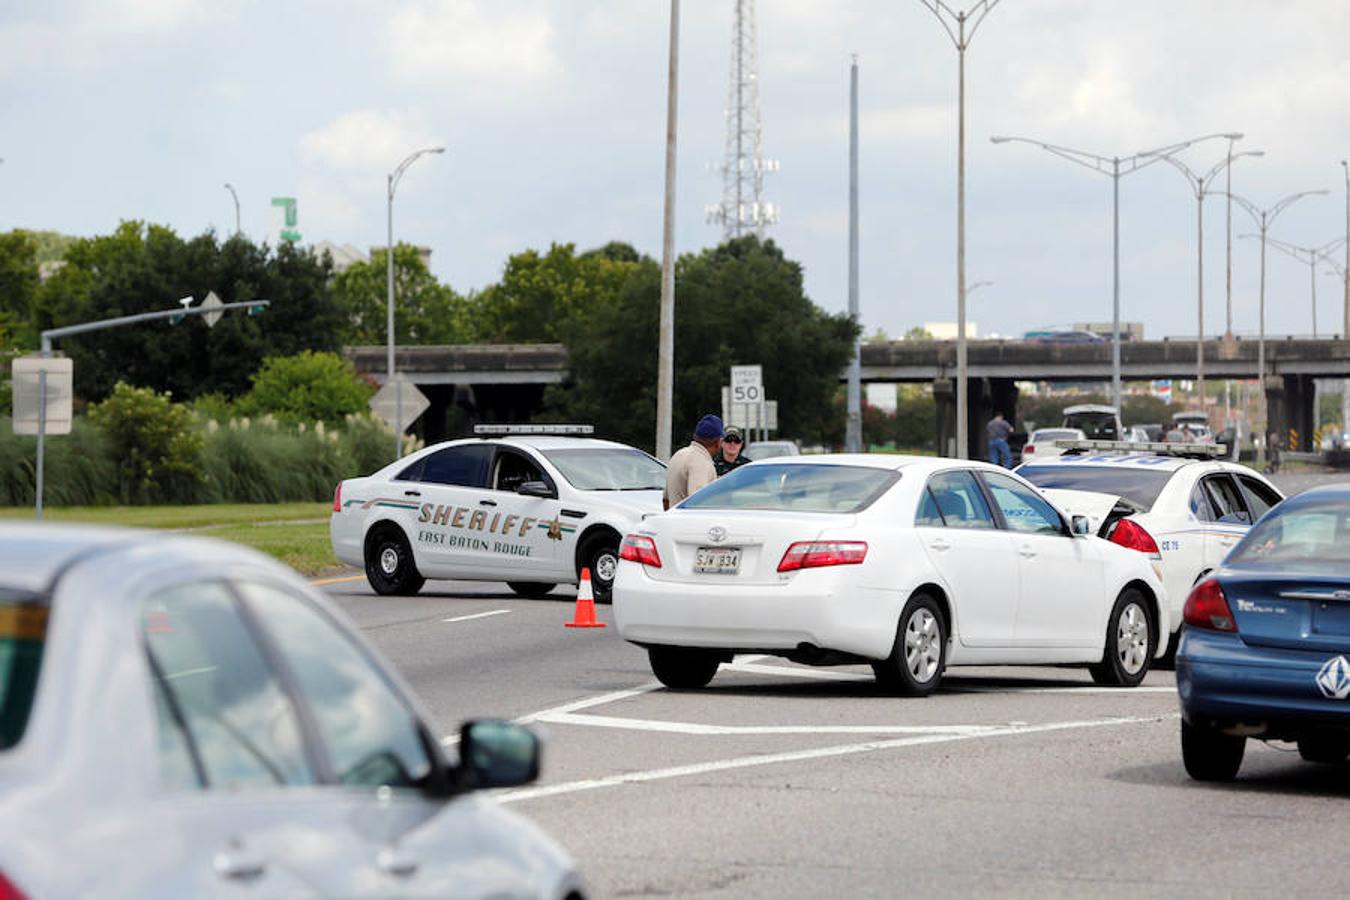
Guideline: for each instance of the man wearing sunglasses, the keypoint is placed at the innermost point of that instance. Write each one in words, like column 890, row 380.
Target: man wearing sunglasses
column 729, row 457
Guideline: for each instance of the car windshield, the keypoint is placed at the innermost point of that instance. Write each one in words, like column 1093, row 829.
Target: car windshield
column 1318, row 534
column 1138, row 485
column 796, row 488
column 608, row 468
column 23, row 630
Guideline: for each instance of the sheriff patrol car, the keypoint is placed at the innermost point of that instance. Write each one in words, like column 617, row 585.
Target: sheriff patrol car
column 530, row 505
column 1179, row 503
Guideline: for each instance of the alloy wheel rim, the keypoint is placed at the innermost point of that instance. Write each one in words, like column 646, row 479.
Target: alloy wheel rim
column 605, row 566
column 1132, row 638
column 923, row 645
column 389, row 560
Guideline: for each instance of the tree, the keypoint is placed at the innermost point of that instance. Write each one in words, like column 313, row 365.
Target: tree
column 18, row 283
column 308, row 387
column 153, row 441
column 140, row 268
column 425, row 311
column 742, row 302
column 539, row 292
column 918, row 333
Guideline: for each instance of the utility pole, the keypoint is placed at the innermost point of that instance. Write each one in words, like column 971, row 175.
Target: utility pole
column 853, row 432
column 665, row 355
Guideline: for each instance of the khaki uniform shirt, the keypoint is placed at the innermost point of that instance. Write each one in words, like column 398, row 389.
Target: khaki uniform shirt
column 689, row 469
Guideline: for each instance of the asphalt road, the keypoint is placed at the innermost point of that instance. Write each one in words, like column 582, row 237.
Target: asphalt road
column 790, row 781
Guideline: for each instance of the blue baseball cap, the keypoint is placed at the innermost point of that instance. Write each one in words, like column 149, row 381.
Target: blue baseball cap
column 709, row 428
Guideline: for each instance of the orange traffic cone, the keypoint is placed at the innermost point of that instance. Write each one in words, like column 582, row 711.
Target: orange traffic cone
column 585, row 614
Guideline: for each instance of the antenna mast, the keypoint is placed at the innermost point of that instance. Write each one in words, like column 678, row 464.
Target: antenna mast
column 743, row 209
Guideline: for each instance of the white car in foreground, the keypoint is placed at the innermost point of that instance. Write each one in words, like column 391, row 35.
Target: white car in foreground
column 528, row 508
column 911, row 564
column 1182, row 512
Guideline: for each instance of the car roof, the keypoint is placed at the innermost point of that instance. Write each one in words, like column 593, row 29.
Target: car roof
column 1321, row 494
column 1089, row 408
column 33, row 555
column 1165, row 463
column 536, row 442
column 919, row 464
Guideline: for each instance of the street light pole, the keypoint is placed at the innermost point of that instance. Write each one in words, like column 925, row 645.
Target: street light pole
column 229, row 187
column 1264, row 218
column 665, row 352
column 1199, row 185
column 392, row 181
column 961, row 40
column 1312, row 255
column 1115, row 167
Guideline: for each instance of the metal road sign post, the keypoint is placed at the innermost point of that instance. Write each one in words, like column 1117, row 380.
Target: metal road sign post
column 51, row 334
column 399, row 403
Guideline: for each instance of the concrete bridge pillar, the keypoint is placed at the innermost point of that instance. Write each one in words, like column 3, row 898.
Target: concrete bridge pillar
column 985, row 396
column 944, row 398
column 1300, row 413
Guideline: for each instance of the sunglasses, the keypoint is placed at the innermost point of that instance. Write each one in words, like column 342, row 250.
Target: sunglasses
column 731, row 440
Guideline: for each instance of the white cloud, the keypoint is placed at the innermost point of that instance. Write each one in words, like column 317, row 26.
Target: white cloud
column 366, row 138
column 510, row 42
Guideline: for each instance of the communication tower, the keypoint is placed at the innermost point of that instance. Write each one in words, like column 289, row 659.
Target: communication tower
column 743, row 209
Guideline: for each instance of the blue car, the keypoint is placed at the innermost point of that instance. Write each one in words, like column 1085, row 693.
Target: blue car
column 1265, row 645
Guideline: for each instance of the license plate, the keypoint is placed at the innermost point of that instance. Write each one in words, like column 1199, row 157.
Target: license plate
column 717, row 560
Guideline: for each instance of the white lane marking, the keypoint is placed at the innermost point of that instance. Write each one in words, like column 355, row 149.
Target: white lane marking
column 481, row 615
column 699, row 728
column 742, row 762
column 585, row 703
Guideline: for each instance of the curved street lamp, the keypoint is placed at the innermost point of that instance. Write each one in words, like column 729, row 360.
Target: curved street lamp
column 229, row 187
column 1114, row 167
column 393, row 180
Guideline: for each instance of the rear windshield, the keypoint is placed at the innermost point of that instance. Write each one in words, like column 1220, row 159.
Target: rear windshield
column 1310, row 534
column 1095, row 426
column 1139, row 486
column 798, row 488
column 23, row 630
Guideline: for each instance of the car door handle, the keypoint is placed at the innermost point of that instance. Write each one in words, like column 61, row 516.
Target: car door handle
column 487, row 502
column 939, row 546
column 392, row 862
column 238, row 864
column 1026, row 553
column 412, row 493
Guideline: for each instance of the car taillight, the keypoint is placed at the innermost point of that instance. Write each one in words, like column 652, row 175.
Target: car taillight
column 1207, row 607
column 640, row 549
column 8, row 891
column 337, row 498
column 814, row 554
column 1029, row 448
column 1133, row 536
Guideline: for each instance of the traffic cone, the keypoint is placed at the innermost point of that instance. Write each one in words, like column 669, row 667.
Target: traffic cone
column 585, row 614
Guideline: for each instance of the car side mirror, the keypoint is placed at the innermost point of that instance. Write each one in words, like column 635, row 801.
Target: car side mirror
column 1080, row 525
column 494, row 754
column 535, row 489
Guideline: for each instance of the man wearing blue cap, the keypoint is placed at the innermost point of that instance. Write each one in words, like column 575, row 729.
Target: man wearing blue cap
column 692, row 467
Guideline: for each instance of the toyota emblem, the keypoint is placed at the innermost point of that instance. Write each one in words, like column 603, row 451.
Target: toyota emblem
column 717, row 534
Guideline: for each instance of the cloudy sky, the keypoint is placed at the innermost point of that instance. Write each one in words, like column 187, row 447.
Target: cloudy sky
column 554, row 115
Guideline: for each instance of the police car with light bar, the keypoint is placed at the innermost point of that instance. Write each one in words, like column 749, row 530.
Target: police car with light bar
column 1179, row 503
column 531, row 505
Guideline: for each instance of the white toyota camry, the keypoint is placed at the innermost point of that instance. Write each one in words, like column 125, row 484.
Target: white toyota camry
column 911, row 564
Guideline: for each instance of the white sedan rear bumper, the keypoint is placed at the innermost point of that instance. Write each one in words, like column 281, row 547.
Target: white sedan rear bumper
column 824, row 608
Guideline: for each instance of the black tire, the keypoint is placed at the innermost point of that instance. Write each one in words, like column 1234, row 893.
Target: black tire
column 912, row 669
column 681, row 668
column 1131, row 634
column 390, row 568
column 601, row 556
column 530, row 590
column 1324, row 748
column 1210, row 755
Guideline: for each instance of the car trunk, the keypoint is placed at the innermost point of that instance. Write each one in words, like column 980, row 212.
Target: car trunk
column 1290, row 611
column 1102, row 510
column 732, row 547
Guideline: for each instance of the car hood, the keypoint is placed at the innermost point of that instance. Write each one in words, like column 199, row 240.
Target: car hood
column 1094, row 505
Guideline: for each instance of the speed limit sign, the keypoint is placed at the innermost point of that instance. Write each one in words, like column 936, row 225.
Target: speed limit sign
column 747, row 384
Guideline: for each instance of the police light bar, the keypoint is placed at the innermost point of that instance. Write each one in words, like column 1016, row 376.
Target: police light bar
column 534, row 429
column 1158, row 448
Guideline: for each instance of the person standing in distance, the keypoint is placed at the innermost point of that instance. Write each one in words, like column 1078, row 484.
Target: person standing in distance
column 999, row 451
column 691, row 467
column 730, row 457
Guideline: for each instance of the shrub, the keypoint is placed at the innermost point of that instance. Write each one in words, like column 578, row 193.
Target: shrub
column 78, row 469
column 265, row 463
column 307, row 387
column 157, row 452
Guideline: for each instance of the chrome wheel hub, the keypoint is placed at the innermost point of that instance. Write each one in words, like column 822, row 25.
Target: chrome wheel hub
column 389, row 561
column 605, row 566
column 1132, row 638
column 923, row 645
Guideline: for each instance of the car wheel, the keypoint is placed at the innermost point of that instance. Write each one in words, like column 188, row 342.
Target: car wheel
column 1324, row 748
column 602, row 558
column 1131, row 640
column 919, row 654
column 389, row 564
column 681, row 668
column 1210, row 755
column 531, row 590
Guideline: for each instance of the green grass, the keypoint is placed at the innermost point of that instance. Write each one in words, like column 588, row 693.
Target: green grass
column 277, row 529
